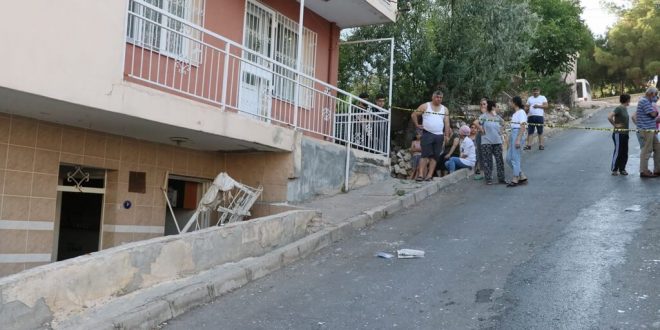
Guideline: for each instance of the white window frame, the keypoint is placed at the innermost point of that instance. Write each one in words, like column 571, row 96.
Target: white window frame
column 285, row 53
column 161, row 40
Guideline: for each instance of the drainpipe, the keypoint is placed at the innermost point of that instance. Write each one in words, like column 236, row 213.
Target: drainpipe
column 348, row 143
column 298, row 63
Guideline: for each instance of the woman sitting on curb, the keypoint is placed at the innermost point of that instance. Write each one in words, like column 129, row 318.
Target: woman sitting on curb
column 468, row 152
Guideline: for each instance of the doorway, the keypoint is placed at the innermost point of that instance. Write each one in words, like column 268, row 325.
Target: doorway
column 80, row 199
column 184, row 194
column 256, row 79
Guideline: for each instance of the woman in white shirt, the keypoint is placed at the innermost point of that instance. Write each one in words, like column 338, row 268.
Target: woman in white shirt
column 468, row 152
column 518, row 125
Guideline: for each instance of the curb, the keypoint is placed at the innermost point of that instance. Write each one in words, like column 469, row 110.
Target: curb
column 136, row 311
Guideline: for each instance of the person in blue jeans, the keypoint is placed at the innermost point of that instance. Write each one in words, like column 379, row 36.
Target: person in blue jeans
column 518, row 124
column 468, row 156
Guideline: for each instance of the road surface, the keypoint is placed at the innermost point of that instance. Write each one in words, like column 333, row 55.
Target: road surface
column 559, row 253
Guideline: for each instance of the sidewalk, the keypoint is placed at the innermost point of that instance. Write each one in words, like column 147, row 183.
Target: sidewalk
column 338, row 208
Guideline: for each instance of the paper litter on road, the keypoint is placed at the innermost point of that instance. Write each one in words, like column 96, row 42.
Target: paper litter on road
column 384, row 255
column 410, row 253
column 634, row 208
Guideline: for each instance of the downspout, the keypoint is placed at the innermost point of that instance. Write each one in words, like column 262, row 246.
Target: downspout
column 296, row 100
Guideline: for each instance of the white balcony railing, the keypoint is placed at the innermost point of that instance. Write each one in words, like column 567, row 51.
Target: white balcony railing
column 175, row 55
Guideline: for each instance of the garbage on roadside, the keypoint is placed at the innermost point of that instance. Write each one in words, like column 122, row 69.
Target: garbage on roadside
column 410, row 253
column 634, row 208
column 384, row 255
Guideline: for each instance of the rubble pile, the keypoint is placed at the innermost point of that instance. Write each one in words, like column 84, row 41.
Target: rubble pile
column 400, row 161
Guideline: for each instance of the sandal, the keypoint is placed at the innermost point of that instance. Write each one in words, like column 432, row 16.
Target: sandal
column 541, row 148
column 428, row 178
column 419, row 178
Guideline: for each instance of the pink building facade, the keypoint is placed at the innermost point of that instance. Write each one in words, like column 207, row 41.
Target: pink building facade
column 110, row 107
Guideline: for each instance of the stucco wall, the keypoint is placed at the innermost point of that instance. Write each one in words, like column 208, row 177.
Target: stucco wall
column 323, row 166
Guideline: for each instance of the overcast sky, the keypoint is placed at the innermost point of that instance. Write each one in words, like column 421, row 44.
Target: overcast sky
column 597, row 17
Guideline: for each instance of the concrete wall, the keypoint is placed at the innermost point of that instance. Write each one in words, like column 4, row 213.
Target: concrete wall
column 322, row 170
column 41, row 295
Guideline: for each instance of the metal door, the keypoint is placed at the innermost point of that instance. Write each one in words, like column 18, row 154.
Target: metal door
column 256, row 79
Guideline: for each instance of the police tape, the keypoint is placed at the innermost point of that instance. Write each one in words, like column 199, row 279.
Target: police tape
column 549, row 125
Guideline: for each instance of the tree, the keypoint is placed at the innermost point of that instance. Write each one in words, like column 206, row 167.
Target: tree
column 632, row 50
column 589, row 69
column 365, row 67
column 481, row 46
column 559, row 37
column 469, row 49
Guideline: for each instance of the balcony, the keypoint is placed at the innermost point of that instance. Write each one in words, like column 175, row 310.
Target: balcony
column 347, row 14
column 176, row 56
column 78, row 63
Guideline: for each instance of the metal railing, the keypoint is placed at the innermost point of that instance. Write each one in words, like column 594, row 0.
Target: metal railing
column 176, row 55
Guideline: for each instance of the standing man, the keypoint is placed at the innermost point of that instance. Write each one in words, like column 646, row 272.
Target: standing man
column 381, row 125
column 536, row 105
column 619, row 120
column 435, row 124
column 646, row 116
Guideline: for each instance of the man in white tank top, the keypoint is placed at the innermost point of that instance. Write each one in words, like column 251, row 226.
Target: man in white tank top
column 435, row 125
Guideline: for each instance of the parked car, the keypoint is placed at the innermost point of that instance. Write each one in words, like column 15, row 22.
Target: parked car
column 583, row 90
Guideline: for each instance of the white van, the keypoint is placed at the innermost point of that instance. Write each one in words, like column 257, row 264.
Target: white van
column 583, row 90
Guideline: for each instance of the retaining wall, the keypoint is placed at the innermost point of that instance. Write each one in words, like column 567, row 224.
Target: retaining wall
column 34, row 298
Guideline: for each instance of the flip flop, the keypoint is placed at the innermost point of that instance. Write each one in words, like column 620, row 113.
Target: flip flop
column 419, row 178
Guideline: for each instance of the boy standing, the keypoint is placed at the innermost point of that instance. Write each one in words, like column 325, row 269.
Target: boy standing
column 620, row 121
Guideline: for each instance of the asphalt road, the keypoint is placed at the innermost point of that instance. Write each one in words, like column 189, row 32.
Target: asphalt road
column 559, row 253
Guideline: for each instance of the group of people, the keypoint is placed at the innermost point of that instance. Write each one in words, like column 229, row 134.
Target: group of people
column 437, row 147
column 479, row 146
column 648, row 123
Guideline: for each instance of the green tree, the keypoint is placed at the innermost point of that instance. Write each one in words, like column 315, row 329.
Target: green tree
column 364, row 67
column 589, row 69
column 559, row 37
column 469, row 49
column 632, row 50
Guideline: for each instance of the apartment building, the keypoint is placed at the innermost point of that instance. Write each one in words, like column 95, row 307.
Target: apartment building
column 111, row 108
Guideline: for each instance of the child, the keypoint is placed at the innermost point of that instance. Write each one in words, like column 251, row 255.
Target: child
column 619, row 120
column 468, row 156
column 518, row 125
column 416, row 150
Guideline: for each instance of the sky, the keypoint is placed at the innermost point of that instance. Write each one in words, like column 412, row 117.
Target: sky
column 597, row 17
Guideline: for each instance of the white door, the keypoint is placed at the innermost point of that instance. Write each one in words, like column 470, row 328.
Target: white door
column 256, row 79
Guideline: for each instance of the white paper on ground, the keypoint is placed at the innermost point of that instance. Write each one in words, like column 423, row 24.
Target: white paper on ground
column 634, row 208
column 410, row 253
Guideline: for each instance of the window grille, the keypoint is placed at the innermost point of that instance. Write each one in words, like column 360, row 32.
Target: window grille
column 171, row 37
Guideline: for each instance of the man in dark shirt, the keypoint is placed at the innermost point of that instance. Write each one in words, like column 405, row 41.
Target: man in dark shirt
column 619, row 119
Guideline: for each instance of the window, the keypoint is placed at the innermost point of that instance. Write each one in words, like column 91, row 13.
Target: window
column 172, row 37
column 265, row 28
column 286, row 47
